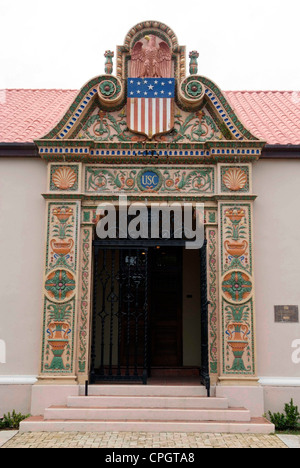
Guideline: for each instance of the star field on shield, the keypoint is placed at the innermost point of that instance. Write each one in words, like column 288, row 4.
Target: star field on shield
column 151, row 88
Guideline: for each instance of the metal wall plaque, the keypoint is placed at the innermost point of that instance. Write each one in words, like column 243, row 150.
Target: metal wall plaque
column 287, row 314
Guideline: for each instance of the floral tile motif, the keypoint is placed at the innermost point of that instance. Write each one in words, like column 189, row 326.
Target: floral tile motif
column 172, row 179
column 236, row 286
column 212, row 291
column 196, row 127
column 238, row 347
column 62, row 235
column 236, row 237
column 237, row 289
column 58, row 349
column 85, row 300
column 60, row 285
column 60, row 288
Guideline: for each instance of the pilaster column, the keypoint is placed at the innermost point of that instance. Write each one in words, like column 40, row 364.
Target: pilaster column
column 61, row 275
column 236, row 274
column 212, row 291
column 85, row 302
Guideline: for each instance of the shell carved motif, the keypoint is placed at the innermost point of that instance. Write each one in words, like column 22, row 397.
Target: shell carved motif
column 235, row 179
column 64, row 178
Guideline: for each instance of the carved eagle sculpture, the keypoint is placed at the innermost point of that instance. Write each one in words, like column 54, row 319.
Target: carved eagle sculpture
column 152, row 60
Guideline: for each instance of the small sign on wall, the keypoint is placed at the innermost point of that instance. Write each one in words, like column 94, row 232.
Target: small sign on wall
column 286, row 314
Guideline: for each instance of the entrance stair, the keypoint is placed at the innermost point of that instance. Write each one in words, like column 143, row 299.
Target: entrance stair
column 151, row 408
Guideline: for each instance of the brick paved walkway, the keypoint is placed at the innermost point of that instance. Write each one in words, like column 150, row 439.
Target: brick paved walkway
column 142, row 440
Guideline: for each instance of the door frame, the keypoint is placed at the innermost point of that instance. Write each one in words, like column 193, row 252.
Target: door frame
column 147, row 244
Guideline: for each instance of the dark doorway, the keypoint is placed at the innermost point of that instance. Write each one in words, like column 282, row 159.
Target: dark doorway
column 166, row 306
column 137, row 320
column 138, row 311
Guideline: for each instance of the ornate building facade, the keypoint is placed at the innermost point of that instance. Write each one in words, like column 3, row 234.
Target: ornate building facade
column 154, row 134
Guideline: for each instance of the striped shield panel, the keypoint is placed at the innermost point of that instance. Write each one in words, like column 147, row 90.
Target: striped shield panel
column 150, row 105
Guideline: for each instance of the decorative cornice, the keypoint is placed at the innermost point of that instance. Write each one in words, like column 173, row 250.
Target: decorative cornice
column 150, row 152
column 30, row 150
column 149, row 197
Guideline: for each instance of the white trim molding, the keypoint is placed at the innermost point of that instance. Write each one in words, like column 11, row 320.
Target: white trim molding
column 280, row 381
column 18, row 379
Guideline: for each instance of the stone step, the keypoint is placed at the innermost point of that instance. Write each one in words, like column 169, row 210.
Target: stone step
column 254, row 426
column 146, row 402
column 150, row 414
column 146, row 390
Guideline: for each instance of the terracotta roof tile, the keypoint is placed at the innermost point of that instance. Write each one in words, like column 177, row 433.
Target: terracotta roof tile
column 273, row 116
column 28, row 114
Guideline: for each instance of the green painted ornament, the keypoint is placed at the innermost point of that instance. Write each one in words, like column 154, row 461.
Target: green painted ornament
column 194, row 55
column 109, row 63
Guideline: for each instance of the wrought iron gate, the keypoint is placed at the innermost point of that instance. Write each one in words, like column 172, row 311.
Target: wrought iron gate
column 120, row 314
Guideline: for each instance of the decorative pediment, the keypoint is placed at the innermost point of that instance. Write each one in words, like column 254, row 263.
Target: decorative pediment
column 150, row 108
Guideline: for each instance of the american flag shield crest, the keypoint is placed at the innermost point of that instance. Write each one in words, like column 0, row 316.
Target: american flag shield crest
column 150, row 105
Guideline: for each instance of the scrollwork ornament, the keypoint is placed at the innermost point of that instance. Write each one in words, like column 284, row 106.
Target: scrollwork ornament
column 110, row 91
column 191, row 92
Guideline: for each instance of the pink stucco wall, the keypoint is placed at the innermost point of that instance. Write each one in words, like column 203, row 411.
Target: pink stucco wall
column 277, row 276
column 22, row 233
column 277, row 272
column 277, row 262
